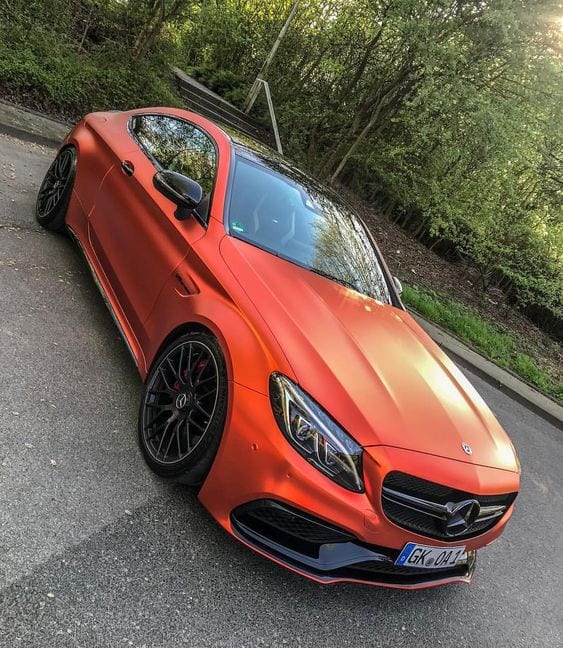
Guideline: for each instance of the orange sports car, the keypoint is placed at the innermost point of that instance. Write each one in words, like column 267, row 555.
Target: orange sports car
column 282, row 375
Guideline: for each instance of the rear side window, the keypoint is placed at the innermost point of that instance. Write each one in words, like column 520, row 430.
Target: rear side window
column 176, row 145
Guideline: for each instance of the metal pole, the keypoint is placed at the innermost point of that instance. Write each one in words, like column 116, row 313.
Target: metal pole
column 251, row 98
column 252, row 95
column 272, row 115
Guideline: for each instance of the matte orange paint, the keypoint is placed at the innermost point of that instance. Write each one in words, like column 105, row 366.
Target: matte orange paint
column 368, row 364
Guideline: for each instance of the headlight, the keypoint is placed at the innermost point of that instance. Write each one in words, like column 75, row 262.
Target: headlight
column 312, row 432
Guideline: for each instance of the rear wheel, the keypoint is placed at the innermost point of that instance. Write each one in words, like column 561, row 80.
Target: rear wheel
column 55, row 190
column 183, row 408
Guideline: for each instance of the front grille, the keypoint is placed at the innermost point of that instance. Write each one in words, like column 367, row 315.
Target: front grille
column 438, row 511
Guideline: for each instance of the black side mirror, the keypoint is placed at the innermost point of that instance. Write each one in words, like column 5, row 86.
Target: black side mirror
column 182, row 191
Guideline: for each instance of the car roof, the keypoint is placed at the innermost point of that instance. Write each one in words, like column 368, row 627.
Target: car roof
column 268, row 157
column 243, row 141
column 264, row 155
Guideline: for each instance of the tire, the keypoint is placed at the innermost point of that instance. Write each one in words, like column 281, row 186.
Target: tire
column 55, row 190
column 183, row 408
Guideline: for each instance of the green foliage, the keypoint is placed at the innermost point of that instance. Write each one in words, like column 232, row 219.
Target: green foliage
column 453, row 109
column 495, row 343
column 227, row 84
column 446, row 114
column 45, row 66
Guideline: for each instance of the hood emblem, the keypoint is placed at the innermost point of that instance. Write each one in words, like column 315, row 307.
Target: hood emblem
column 466, row 448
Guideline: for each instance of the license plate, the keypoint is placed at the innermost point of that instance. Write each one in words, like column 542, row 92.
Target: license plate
column 425, row 557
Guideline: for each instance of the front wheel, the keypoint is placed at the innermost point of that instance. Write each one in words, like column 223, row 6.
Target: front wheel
column 183, row 408
column 55, row 190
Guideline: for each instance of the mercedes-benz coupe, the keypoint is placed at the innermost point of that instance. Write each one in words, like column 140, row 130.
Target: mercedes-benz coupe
column 282, row 375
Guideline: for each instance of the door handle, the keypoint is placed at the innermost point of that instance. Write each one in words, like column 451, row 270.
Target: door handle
column 127, row 167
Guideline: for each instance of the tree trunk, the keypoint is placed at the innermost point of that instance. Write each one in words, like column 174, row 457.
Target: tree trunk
column 367, row 128
column 146, row 40
column 152, row 29
column 361, row 137
column 86, row 28
column 370, row 47
column 380, row 97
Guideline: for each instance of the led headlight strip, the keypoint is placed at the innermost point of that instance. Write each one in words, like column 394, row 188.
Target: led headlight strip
column 313, row 433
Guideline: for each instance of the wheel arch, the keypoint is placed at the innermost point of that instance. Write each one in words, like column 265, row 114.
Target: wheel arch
column 250, row 353
column 182, row 329
column 90, row 166
column 92, row 137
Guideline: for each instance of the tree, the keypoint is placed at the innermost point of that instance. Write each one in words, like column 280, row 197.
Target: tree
column 158, row 13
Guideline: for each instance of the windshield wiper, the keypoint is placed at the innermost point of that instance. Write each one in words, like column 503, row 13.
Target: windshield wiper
column 339, row 280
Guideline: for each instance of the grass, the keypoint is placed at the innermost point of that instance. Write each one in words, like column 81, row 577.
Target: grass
column 497, row 344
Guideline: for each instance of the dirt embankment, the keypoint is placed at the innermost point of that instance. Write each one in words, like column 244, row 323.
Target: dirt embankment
column 414, row 263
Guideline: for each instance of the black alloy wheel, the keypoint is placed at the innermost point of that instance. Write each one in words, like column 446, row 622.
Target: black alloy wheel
column 183, row 408
column 55, row 190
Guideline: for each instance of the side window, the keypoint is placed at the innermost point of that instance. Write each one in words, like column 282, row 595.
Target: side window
column 179, row 146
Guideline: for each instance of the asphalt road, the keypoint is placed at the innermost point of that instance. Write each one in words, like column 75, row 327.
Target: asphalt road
column 96, row 551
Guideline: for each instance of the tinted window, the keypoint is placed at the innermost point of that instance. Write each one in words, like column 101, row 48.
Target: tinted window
column 179, row 146
column 294, row 217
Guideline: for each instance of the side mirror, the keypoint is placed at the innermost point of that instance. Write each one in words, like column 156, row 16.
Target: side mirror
column 398, row 285
column 182, row 191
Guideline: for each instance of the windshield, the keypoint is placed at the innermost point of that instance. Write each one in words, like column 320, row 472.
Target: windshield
column 296, row 218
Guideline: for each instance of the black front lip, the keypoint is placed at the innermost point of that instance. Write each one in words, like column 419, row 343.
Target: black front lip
column 346, row 561
column 331, row 556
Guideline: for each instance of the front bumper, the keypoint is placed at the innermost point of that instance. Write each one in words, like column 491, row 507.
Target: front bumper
column 326, row 554
column 255, row 463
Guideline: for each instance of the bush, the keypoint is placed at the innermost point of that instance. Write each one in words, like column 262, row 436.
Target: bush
column 225, row 83
column 47, row 72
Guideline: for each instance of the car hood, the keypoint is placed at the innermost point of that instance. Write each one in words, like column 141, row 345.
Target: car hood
column 370, row 365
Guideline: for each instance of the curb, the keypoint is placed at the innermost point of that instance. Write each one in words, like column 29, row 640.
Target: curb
column 26, row 136
column 504, row 380
column 30, row 125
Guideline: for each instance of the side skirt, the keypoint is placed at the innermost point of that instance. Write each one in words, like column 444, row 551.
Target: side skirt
column 104, row 295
